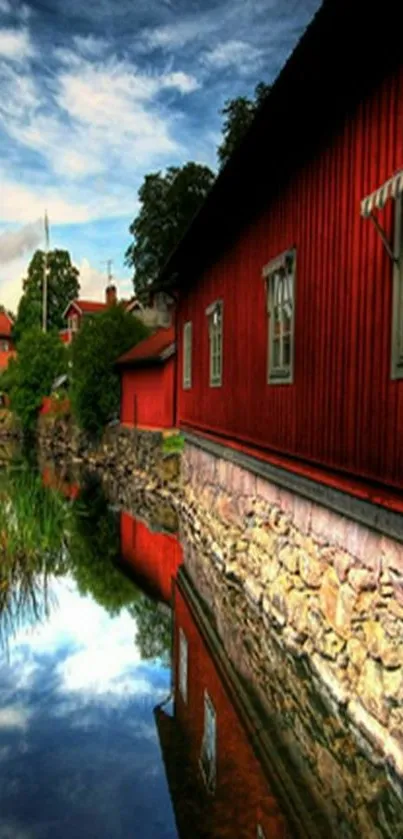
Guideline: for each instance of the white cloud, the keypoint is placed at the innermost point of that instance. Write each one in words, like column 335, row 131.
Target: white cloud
column 13, row 716
column 181, row 33
column 22, row 204
column 15, row 243
column 90, row 45
column 5, row 7
column 93, row 282
column 231, row 53
column 181, row 81
column 15, row 44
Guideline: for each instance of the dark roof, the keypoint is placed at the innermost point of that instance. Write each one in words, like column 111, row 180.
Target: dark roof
column 158, row 347
column 347, row 48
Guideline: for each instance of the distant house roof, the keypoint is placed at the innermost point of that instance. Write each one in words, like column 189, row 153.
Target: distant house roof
column 6, row 324
column 157, row 348
column 86, row 307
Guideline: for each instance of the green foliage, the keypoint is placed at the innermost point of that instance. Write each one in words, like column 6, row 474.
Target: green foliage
column 41, row 358
column 95, row 389
column 238, row 114
column 33, row 521
column 63, row 286
column 94, row 549
column 153, row 628
column 172, row 444
column 168, row 203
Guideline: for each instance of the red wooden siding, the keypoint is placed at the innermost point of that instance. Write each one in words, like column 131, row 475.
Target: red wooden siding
column 147, row 395
column 243, row 798
column 343, row 412
column 155, row 557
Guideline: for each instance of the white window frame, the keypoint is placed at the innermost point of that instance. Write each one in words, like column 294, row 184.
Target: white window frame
column 214, row 313
column 280, row 278
column 187, row 355
column 4, row 346
column 208, row 757
column 183, row 665
column 397, row 296
column 259, row 832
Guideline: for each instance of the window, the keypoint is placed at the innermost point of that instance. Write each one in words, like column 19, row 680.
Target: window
column 280, row 282
column 4, row 346
column 73, row 323
column 397, row 315
column 259, row 833
column 209, row 743
column 215, row 316
column 183, row 665
column 187, row 355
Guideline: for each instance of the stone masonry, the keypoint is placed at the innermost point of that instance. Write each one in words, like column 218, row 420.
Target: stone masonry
column 329, row 589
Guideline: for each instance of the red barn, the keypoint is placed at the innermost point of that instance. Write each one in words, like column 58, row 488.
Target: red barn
column 154, row 557
column 218, row 782
column 147, row 381
column 290, row 278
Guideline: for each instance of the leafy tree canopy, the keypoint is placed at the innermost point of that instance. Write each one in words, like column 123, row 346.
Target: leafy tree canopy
column 41, row 359
column 95, row 387
column 94, row 549
column 168, row 202
column 63, row 286
column 238, row 114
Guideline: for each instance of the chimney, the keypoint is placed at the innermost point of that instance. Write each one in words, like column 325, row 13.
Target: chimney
column 111, row 295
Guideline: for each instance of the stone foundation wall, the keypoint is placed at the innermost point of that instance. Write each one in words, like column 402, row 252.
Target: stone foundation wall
column 126, row 452
column 330, row 590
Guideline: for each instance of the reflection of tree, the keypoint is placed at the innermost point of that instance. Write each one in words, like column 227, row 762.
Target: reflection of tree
column 153, row 628
column 32, row 525
column 95, row 547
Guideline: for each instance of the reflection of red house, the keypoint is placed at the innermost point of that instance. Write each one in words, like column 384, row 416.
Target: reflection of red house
column 233, row 796
column 7, row 346
column 154, row 557
column 147, row 381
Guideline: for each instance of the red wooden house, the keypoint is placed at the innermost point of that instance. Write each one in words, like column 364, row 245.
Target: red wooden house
column 219, row 784
column 290, row 278
column 79, row 309
column 153, row 557
column 147, row 381
column 7, row 345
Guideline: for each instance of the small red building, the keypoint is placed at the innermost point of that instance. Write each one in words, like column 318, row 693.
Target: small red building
column 79, row 309
column 154, row 557
column 217, row 781
column 147, row 381
column 7, row 345
column 290, row 278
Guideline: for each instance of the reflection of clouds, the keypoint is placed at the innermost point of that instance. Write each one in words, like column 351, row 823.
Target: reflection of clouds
column 12, row 716
column 95, row 656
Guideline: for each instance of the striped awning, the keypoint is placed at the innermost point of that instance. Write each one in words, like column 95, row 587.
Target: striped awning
column 392, row 188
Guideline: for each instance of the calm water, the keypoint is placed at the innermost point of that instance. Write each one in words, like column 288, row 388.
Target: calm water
column 122, row 717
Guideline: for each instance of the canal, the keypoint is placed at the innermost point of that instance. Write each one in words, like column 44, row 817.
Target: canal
column 139, row 698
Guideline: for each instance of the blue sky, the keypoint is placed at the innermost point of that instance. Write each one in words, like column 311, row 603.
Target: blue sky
column 96, row 94
column 79, row 749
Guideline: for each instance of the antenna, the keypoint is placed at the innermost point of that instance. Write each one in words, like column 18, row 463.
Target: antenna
column 109, row 263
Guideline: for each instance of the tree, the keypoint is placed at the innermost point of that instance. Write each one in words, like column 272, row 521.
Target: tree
column 94, row 550
column 95, row 387
column 153, row 633
column 41, row 359
column 238, row 114
column 168, row 203
column 63, row 285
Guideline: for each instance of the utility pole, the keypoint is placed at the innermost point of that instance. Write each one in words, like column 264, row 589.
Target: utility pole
column 45, row 277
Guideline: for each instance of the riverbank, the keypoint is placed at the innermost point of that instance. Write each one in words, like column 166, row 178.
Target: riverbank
column 325, row 591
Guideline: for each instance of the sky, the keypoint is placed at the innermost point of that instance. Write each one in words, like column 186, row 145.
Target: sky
column 79, row 748
column 96, row 94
